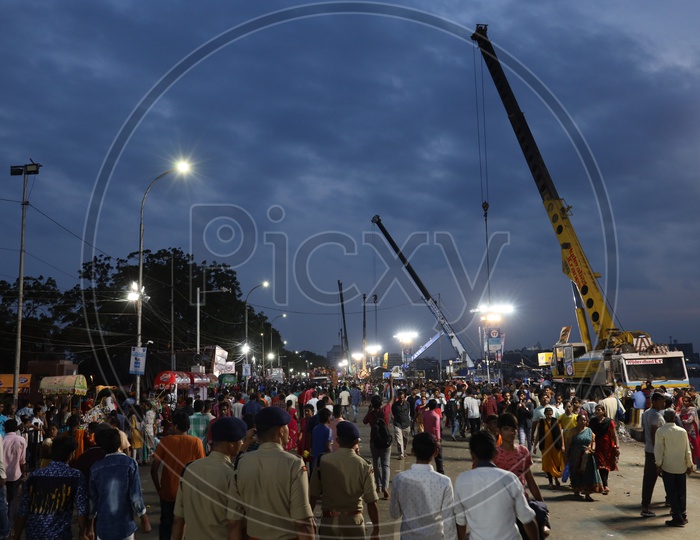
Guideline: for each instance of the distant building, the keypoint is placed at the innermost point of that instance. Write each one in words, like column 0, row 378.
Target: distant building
column 687, row 349
column 335, row 355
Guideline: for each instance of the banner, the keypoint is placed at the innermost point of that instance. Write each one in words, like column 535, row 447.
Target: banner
column 246, row 370
column 495, row 343
column 137, row 366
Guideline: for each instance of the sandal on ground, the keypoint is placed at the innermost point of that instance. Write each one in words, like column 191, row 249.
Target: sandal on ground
column 588, row 498
column 647, row 513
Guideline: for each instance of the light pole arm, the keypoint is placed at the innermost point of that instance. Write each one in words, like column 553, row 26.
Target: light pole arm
column 139, row 302
column 139, row 308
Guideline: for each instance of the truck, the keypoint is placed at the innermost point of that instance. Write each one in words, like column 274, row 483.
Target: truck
column 630, row 356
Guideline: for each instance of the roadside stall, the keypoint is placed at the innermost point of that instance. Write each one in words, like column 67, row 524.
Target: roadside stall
column 7, row 384
column 227, row 379
column 200, row 384
column 172, row 382
column 63, row 385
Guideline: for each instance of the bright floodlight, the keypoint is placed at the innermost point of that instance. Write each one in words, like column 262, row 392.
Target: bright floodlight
column 182, row 167
column 357, row 356
column 406, row 337
column 270, row 356
column 245, row 348
column 496, row 308
column 133, row 294
column 265, row 284
column 373, row 349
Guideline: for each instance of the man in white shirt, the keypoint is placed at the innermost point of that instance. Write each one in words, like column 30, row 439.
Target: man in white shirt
column 489, row 500
column 294, row 399
column 313, row 401
column 472, row 412
column 236, row 407
column 673, row 460
column 344, row 398
column 423, row 498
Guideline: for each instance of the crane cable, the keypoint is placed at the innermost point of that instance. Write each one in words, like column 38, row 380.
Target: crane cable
column 483, row 163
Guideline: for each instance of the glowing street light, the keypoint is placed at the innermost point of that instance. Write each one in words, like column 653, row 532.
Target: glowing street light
column 283, row 316
column 265, row 285
column 138, row 293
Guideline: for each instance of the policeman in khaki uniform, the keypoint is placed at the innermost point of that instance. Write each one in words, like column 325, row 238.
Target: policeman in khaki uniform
column 271, row 486
column 344, row 480
column 203, row 499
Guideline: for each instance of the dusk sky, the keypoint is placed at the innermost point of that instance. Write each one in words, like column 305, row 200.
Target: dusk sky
column 303, row 125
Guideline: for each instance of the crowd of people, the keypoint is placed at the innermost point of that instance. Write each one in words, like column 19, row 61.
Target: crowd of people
column 255, row 465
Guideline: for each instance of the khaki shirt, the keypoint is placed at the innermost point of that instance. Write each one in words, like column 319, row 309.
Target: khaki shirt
column 345, row 480
column 271, row 490
column 204, row 498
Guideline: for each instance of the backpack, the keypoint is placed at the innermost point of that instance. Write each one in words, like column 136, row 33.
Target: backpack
column 382, row 435
column 451, row 409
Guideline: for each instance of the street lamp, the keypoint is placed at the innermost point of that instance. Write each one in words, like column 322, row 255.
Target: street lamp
column 491, row 336
column 357, row 357
column 21, row 170
column 262, row 354
column 373, row 350
column 182, row 167
column 284, row 316
column 405, row 338
column 263, row 284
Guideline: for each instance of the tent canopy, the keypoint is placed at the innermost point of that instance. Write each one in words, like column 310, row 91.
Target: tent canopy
column 64, row 384
column 166, row 380
column 7, row 383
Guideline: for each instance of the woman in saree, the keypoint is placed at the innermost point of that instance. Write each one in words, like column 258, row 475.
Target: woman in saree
column 689, row 419
column 580, row 456
column 293, row 427
column 567, row 423
column 607, row 447
column 551, row 444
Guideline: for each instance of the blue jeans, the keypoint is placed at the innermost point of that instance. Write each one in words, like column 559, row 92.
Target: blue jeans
column 380, row 462
column 524, row 437
column 455, row 426
column 354, row 410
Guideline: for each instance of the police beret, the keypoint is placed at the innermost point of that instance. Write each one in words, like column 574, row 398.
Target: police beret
column 272, row 416
column 348, row 430
column 228, row 429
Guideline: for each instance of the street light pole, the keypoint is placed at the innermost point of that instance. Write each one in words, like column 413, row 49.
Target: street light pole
column 263, row 284
column 284, row 316
column 24, row 170
column 183, row 168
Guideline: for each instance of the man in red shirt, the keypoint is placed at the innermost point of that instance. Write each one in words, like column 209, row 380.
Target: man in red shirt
column 174, row 452
column 431, row 424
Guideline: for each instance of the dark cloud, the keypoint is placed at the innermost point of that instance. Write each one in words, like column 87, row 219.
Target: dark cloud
column 338, row 118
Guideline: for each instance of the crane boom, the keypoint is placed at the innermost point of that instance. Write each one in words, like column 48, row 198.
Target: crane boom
column 575, row 264
column 430, row 302
column 344, row 340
